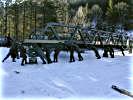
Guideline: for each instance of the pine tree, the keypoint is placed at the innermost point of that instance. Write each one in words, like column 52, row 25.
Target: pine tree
column 117, row 13
column 61, row 10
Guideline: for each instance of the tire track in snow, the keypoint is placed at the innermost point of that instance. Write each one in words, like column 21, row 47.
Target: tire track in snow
column 61, row 88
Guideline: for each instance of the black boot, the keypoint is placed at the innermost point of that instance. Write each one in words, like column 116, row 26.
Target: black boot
column 26, row 63
column 22, row 64
column 80, row 59
column 44, row 63
column 105, row 54
column 13, row 60
column 112, row 55
column 70, row 61
column 49, row 62
column 98, row 56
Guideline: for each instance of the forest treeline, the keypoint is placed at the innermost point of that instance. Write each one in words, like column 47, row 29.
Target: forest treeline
column 22, row 17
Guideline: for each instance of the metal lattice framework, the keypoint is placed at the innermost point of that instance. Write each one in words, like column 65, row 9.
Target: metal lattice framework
column 65, row 36
column 58, row 32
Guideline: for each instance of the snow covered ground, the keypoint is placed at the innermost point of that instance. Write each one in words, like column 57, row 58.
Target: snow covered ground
column 90, row 79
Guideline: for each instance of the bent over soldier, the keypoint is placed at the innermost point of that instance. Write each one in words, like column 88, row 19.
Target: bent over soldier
column 122, row 50
column 111, row 51
column 23, row 55
column 74, row 47
column 79, row 56
column 56, row 53
column 96, row 52
column 48, row 56
column 78, row 50
column 72, row 59
column 12, row 52
column 105, row 54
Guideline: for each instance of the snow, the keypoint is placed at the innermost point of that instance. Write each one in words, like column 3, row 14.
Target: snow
column 90, row 79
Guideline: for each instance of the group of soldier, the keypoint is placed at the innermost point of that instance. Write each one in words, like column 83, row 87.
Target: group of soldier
column 57, row 50
column 74, row 48
column 110, row 50
column 16, row 51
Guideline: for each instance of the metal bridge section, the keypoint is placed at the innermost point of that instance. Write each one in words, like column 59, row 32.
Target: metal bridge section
column 60, row 35
column 104, row 38
column 58, row 32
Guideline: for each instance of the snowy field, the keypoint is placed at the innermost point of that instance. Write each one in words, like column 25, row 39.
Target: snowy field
column 90, row 79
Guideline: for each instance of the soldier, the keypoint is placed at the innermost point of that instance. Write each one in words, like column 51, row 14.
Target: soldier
column 23, row 55
column 48, row 56
column 17, row 45
column 9, row 40
column 105, row 54
column 39, row 52
column 12, row 52
column 122, row 50
column 111, row 51
column 72, row 59
column 78, row 50
column 130, row 46
column 96, row 52
column 79, row 56
column 56, row 53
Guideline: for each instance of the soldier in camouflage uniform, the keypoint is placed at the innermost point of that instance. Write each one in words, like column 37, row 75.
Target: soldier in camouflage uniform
column 111, row 51
column 9, row 40
column 74, row 47
column 72, row 59
column 96, row 52
column 12, row 52
column 105, row 54
column 78, row 50
column 48, row 56
column 79, row 56
column 56, row 53
column 122, row 50
column 23, row 55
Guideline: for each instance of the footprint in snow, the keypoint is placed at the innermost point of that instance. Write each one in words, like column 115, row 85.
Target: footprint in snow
column 17, row 72
column 60, row 84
